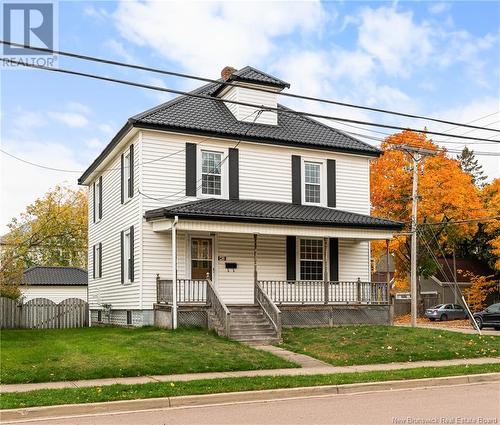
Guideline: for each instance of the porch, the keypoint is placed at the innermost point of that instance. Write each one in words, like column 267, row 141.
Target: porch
column 267, row 271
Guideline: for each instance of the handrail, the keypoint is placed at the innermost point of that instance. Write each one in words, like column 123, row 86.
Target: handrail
column 220, row 309
column 270, row 309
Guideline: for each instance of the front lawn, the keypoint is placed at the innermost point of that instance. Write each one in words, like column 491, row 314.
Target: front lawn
column 105, row 352
column 212, row 386
column 355, row 345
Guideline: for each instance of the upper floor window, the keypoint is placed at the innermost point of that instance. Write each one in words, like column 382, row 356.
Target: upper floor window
column 311, row 259
column 127, row 176
column 312, row 182
column 211, row 173
column 98, row 199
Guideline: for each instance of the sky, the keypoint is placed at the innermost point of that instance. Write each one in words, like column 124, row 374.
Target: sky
column 440, row 59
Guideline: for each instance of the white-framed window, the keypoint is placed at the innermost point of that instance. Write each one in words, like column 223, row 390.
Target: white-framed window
column 211, row 173
column 310, row 259
column 127, row 182
column 97, row 260
column 312, row 182
column 127, row 257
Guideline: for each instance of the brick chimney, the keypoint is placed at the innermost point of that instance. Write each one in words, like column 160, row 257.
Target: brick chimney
column 226, row 72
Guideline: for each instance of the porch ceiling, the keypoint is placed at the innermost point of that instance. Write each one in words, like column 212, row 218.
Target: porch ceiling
column 266, row 217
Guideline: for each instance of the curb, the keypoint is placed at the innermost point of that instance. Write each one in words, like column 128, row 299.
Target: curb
column 122, row 406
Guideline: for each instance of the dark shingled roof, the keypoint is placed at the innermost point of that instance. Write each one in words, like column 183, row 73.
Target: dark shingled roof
column 71, row 276
column 252, row 75
column 270, row 212
column 203, row 116
column 212, row 118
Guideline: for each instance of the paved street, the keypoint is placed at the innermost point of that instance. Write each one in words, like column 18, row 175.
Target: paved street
column 460, row 404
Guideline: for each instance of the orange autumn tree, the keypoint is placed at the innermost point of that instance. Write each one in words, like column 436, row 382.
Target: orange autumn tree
column 445, row 193
column 491, row 199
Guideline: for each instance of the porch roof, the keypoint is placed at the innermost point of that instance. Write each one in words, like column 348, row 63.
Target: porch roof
column 252, row 211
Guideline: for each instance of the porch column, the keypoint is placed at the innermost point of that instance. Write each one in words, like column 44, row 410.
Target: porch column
column 255, row 266
column 174, row 272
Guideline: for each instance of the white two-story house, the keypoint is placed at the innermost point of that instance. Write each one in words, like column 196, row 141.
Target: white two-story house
column 257, row 216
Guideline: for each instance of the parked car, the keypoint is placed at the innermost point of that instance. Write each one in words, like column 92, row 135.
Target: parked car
column 446, row 312
column 489, row 317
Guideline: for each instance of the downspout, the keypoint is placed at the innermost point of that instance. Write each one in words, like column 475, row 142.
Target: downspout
column 174, row 272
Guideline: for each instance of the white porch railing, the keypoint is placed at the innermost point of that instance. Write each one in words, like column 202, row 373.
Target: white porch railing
column 329, row 292
column 189, row 291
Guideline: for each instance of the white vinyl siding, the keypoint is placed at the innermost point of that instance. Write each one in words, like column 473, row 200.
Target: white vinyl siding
column 108, row 289
column 264, row 173
column 354, row 260
column 55, row 293
column 249, row 113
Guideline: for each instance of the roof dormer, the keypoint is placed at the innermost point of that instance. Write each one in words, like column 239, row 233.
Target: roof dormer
column 242, row 89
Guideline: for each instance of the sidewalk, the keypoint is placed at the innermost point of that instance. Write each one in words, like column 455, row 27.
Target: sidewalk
column 439, row 327
column 309, row 366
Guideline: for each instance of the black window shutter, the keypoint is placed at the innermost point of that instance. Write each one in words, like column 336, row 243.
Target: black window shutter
column 131, row 250
column 234, row 174
column 100, row 197
column 94, row 200
column 291, row 257
column 331, row 177
column 334, row 259
column 100, row 259
column 190, row 169
column 296, row 180
column 121, row 257
column 93, row 261
column 131, row 172
column 122, row 193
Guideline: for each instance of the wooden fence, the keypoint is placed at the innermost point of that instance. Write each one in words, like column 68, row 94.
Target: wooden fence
column 42, row 313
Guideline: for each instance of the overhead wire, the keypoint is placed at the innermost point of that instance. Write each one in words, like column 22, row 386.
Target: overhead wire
column 230, row 84
column 224, row 101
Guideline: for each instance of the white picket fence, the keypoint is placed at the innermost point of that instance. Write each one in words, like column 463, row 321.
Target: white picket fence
column 42, row 313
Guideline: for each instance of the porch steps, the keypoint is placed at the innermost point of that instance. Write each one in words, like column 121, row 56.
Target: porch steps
column 249, row 324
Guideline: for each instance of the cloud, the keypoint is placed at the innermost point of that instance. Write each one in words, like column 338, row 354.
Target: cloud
column 22, row 183
column 206, row 36
column 94, row 143
column 394, row 39
column 119, row 49
column 71, row 119
column 438, row 8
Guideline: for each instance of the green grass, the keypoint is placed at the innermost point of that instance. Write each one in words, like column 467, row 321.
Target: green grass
column 171, row 389
column 355, row 345
column 104, row 352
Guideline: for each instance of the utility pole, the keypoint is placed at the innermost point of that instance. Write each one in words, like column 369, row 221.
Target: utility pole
column 413, row 253
column 417, row 154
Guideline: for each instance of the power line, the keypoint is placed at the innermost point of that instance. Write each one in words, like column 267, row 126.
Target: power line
column 471, row 220
column 216, row 99
column 227, row 83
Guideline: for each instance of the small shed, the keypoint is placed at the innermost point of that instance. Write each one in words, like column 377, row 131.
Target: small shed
column 54, row 283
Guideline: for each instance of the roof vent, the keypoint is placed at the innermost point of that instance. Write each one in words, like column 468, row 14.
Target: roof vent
column 226, row 72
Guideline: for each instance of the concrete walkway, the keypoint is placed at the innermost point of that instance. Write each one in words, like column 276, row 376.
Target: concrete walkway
column 309, row 365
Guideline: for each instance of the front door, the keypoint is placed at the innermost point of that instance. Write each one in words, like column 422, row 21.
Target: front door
column 201, row 258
